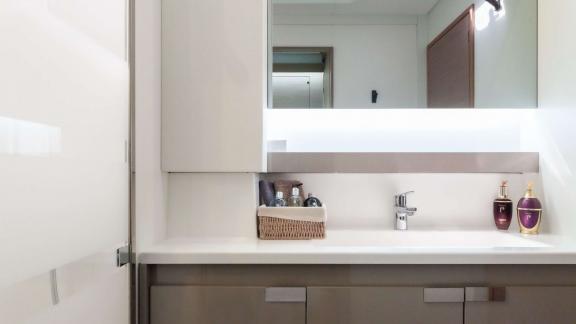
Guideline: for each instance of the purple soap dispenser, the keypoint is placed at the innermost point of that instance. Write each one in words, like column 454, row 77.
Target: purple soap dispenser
column 529, row 212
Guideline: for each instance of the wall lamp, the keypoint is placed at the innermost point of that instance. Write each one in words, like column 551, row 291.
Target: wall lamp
column 496, row 3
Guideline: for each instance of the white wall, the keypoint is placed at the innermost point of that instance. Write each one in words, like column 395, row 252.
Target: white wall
column 444, row 201
column 150, row 182
column 212, row 205
column 506, row 50
column 557, row 112
column 224, row 205
column 366, row 57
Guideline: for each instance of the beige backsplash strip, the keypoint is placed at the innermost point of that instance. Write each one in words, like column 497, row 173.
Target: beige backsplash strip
column 294, row 162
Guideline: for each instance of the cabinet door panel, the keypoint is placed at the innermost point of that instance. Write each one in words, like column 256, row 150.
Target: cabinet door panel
column 220, row 305
column 214, row 85
column 527, row 305
column 382, row 305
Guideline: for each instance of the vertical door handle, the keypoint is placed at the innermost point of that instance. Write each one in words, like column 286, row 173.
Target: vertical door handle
column 443, row 295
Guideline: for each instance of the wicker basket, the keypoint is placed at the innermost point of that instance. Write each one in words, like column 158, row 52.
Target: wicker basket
column 291, row 223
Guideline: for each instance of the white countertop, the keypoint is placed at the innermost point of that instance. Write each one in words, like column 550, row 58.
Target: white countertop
column 370, row 247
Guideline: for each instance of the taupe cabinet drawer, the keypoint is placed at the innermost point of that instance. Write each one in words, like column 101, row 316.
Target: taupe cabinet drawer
column 526, row 305
column 386, row 305
column 226, row 305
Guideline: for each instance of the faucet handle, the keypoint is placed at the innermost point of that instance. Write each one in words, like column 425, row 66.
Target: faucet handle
column 401, row 199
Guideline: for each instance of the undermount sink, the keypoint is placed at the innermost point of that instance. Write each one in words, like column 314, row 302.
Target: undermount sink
column 429, row 239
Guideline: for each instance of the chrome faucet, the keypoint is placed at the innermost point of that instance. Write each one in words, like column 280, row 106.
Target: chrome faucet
column 402, row 211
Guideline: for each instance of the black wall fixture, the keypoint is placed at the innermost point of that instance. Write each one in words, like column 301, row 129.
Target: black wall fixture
column 496, row 3
column 374, row 96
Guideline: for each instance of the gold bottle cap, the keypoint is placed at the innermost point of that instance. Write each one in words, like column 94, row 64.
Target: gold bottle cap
column 504, row 190
column 530, row 191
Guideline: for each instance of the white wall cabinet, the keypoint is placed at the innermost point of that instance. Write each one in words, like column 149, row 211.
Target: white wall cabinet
column 214, row 85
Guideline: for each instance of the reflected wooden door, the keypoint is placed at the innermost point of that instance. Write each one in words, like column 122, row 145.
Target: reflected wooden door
column 451, row 65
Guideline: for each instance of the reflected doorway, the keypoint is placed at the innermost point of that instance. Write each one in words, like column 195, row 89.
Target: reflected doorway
column 303, row 77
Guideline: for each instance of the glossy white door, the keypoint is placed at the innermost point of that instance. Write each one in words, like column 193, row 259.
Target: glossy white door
column 64, row 127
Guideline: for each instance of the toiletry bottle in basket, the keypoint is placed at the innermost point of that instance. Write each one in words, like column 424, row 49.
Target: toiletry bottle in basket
column 279, row 201
column 295, row 200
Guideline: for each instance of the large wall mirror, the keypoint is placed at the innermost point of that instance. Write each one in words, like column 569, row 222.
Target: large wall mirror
column 404, row 54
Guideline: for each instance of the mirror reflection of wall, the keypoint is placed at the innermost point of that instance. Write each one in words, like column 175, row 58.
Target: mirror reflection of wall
column 412, row 53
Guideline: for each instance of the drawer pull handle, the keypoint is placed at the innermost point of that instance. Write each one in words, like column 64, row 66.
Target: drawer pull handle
column 443, row 295
column 286, row 295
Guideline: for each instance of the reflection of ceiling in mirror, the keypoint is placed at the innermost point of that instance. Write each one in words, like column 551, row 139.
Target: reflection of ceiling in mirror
column 356, row 7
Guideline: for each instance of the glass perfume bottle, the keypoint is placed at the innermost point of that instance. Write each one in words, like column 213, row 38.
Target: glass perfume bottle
column 312, row 201
column 529, row 212
column 279, row 201
column 295, row 200
column 503, row 208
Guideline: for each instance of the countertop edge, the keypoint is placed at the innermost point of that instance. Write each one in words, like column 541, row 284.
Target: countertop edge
column 421, row 258
column 338, row 249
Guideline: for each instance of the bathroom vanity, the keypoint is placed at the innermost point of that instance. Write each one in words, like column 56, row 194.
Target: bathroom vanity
column 362, row 277
column 299, row 104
